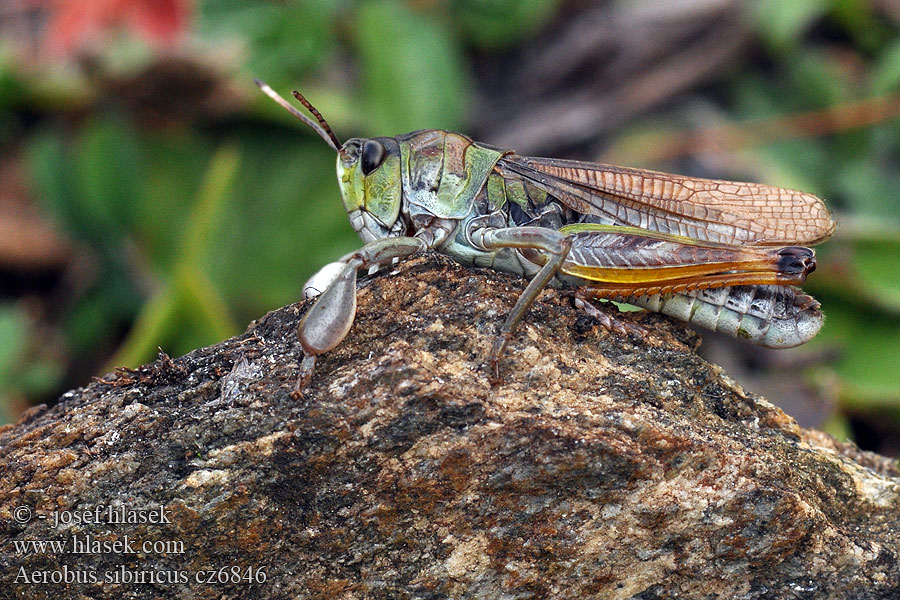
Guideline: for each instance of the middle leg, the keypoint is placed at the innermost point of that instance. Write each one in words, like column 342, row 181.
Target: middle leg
column 551, row 243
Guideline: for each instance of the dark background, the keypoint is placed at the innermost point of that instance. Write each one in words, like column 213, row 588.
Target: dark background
column 152, row 197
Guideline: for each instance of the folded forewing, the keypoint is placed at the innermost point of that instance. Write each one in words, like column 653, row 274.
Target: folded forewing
column 703, row 209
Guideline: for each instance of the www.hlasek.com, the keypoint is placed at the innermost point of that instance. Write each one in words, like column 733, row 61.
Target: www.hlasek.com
column 88, row 544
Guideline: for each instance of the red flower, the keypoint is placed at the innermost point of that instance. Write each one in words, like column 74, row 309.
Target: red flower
column 73, row 24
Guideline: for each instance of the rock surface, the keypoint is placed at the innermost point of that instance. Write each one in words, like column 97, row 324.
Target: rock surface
column 605, row 465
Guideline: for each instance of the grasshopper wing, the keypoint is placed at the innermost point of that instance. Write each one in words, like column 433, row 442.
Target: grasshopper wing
column 711, row 210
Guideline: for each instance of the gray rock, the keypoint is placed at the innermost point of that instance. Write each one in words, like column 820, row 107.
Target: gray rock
column 605, row 465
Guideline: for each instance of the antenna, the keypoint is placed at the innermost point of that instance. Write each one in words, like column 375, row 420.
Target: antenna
column 306, row 103
column 322, row 127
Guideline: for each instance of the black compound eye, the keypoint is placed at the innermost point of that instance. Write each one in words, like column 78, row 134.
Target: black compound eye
column 373, row 154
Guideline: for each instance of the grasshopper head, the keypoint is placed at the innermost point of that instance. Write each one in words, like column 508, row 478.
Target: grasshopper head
column 369, row 177
column 368, row 174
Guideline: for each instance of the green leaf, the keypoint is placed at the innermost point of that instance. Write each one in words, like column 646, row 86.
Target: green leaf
column 175, row 167
column 98, row 314
column 12, row 93
column 869, row 344
column 13, row 332
column 412, row 68
column 280, row 40
column 188, row 292
column 876, row 267
column 51, row 179
column 208, row 205
column 885, row 74
column 867, row 189
column 108, row 167
column 857, row 19
column 40, row 377
column 90, row 191
column 27, row 368
column 839, row 427
column 782, row 23
column 817, row 79
column 501, row 23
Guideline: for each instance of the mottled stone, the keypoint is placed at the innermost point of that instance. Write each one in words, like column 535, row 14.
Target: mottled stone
column 604, row 465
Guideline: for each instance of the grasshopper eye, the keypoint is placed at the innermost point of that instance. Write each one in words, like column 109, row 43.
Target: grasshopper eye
column 373, row 154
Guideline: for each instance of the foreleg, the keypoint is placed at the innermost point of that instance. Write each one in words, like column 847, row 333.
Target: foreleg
column 328, row 321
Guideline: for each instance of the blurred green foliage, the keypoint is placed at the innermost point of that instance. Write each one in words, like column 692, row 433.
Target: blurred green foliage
column 194, row 226
column 858, row 171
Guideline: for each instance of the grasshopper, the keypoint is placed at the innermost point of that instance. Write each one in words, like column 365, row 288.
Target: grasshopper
column 719, row 254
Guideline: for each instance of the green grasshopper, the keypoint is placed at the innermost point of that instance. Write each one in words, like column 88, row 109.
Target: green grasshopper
column 709, row 252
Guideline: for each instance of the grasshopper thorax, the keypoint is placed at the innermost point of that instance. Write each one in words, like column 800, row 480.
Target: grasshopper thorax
column 369, row 177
